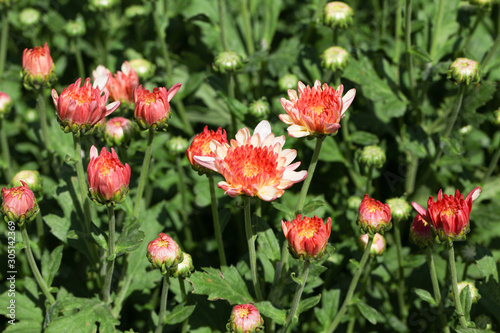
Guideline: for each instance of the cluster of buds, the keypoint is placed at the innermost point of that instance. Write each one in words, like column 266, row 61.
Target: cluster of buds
column 307, row 237
column 374, row 216
column 38, row 68
column 200, row 146
column 152, row 109
column 165, row 254
column 5, row 104
column 227, row 62
column 245, row 318
column 464, row 71
column 378, row 245
column 19, row 204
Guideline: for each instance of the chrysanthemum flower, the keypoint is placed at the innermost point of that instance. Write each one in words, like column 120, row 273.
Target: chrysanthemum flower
column 307, row 236
column 152, row 109
column 374, row 216
column 19, row 204
column 448, row 215
column 164, row 253
column 38, row 67
column 122, row 84
column 118, row 131
column 315, row 111
column 420, row 232
column 200, row 146
column 245, row 318
column 254, row 164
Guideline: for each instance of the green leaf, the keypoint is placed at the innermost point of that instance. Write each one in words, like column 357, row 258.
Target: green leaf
column 306, row 304
column 473, row 330
column 372, row 315
column 59, row 226
column 180, row 313
column 237, row 108
column 225, row 283
column 202, row 192
column 329, row 307
column 268, row 243
column 73, row 314
column 289, row 212
column 268, row 310
column 28, row 316
column 426, row 296
column 420, row 53
column 486, row 263
column 130, row 238
column 99, row 236
column 330, row 151
column 466, row 301
column 312, row 205
column 51, row 263
column 364, row 138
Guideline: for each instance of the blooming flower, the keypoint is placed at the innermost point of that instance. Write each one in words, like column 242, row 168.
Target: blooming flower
column 245, row 318
column 374, row 216
column 315, row 111
column 5, row 104
column 420, row 232
column 307, row 237
column 80, row 108
column 152, row 109
column 108, row 177
column 378, row 245
column 254, row 164
column 164, row 253
column 38, row 67
column 122, row 84
column 200, row 146
column 448, row 215
column 19, row 204
column 118, row 131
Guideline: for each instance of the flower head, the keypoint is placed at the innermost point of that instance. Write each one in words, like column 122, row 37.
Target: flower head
column 108, row 177
column 307, row 237
column 31, row 178
column 118, row 131
column 449, row 215
column 474, row 292
column 19, row 204
column 288, row 81
column 378, row 245
column 254, row 164
column 152, row 109
column 122, row 84
column 315, row 111
column 420, row 232
column 227, row 62
column 38, row 67
column 80, row 108
column 400, row 209
column 335, row 58
column 372, row 156
column 143, row 68
column 164, row 253
column 185, row 267
column 337, row 14
column 464, row 71
column 374, row 216
column 245, row 318
column 200, row 146
column 5, row 104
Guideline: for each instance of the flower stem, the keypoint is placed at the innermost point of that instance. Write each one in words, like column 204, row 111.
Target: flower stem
column 454, row 285
column 215, row 217
column 221, row 4
column 75, row 43
column 401, row 277
column 369, row 179
column 5, row 152
column 144, row 173
column 33, row 266
column 163, row 304
column 188, row 236
column 310, row 172
column 251, row 248
column 297, row 296
column 492, row 166
column 397, row 33
column 42, row 110
column 81, row 181
column 3, row 42
column 110, row 259
column 437, row 293
column 492, row 51
column 184, row 300
column 409, row 57
column 352, row 287
column 435, row 32
column 247, row 27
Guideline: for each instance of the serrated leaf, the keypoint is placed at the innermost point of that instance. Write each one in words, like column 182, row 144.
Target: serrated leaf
column 99, row 236
column 180, row 313
column 268, row 243
column 329, row 307
column 51, row 263
column 289, row 212
column 225, row 283
column 28, row 316
column 59, row 226
column 130, row 238
column 420, row 53
column 268, row 310
column 426, row 296
column 312, row 205
column 372, row 315
column 486, row 263
column 308, row 303
column 364, row 138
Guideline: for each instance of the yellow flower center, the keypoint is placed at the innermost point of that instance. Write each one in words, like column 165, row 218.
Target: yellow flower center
column 161, row 243
column 449, row 212
column 81, row 96
column 149, row 98
column 243, row 313
column 250, row 165
column 307, row 228
column 318, row 109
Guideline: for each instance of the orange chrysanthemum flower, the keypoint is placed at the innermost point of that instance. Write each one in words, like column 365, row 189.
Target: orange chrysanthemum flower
column 254, row 165
column 200, row 146
column 307, row 236
column 315, row 111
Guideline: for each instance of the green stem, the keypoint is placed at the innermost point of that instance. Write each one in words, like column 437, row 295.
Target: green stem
column 474, row 27
column 369, row 179
column 110, row 259
column 352, row 287
column 492, row 166
column 221, row 4
column 163, row 304
column 3, row 42
column 247, row 26
column 310, row 172
column 144, row 173
column 435, row 32
column 411, row 175
column 401, row 277
column 215, row 217
column 184, row 300
column 297, row 296
column 75, row 43
column 316, row 16
column 39, row 230
column 437, row 292
column 5, row 152
column 251, row 248
column 81, row 181
column 409, row 57
column 454, row 284
column 231, row 94
column 34, row 267
column 182, row 189
column 398, row 28
column 492, row 51
column 42, row 110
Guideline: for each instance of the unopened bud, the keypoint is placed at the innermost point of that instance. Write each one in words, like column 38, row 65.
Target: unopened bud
column 378, row 245
column 185, row 267
column 374, row 216
column 5, row 104
column 484, row 322
column 29, row 17
column 99, row 5
column 135, row 11
column 474, row 292
column 144, row 68
column 245, row 318
column 400, row 209
column 372, row 156
column 353, row 202
column 464, row 71
column 260, row 108
column 288, row 81
column 227, row 62
column 75, row 28
column 177, row 145
column 335, row 58
column 32, row 178
column 337, row 14
column 118, row 131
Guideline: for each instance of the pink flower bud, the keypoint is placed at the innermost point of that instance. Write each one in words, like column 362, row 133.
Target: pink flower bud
column 245, row 318
column 122, row 84
column 378, row 245
column 118, row 131
column 307, row 237
column 374, row 216
column 420, row 232
column 164, row 253
column 200, row 146
column 5, row 104
column 38, row 67
column 19, row 204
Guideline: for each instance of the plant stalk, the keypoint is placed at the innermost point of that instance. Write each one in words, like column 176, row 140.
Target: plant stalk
column 221, row 5
column 454, row 284
column 144, row 173
column 251, row 248
column 437, row 292
column 247, row 27
column 409, row 57
column 435, row 32
column 3, row 42
column 110, row 259
column 163, row 304
column 215, row 217
column 492, row 166
column 401, row 277
column 297, row 296
column 5, row 152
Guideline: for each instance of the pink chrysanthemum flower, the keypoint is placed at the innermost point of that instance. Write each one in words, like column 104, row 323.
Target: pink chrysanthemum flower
column 254, row 164
column 200, row 146
column 245, row 318
column 374, row 216
column 307, row 236
column 164, row 253
column 19, row 204
column 315, row 111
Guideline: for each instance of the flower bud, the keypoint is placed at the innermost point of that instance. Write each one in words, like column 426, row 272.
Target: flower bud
column 468, row 253
column 227, row 62
column 374, row 216
column 31, row 178
column 260, row 108
column 177, row 145
column 245, row 318
column 152, row 109
column 164, row 253
column 464, row 71
column 200, row 146
column 118, row 131
column 372, row 156
column 335, row 58
column 307, row 237
column 108, row 177
column 19, row 204
column 101, row 5
column 353, row 202
column 75, row 28
column 474, row 292
column 38, row 67
column 420, row 232
column 144, row 68
column 29, row 17
column 378, row 245
column 337, row 14
column 400, row 209
column 5, row 104
column 288, row 81
column 122, row 84
column 185, row 267
column 484, row 322
column 135, row 11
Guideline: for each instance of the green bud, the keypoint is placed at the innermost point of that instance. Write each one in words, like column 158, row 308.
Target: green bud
column 144, row 68
column 29, row 17
column 472, row 290
column 497, row 117
column 484, row 322
column 337, row 14
column 75, row 28
column 32, row 178
column 335, row 58
column 185, row 267
column 464, row 71
column 288, row 81
column 98, row 5
column 353, row 202
column 260, row 108
column 135, row 11
column 177, row 145
column 400, row 209
column 372, row 156
column 227, row 62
